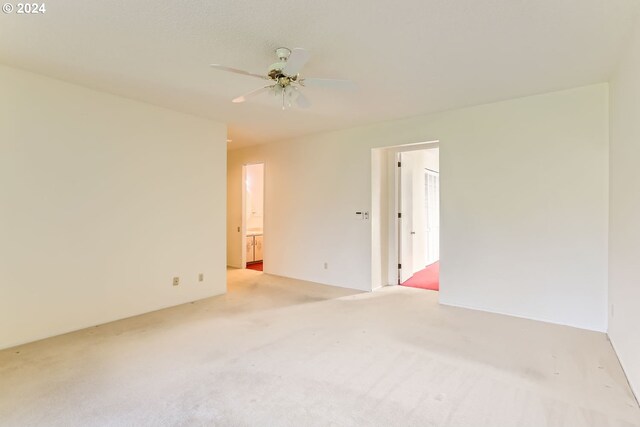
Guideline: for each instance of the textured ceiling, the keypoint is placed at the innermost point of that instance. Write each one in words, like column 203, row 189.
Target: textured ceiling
column 408, row 58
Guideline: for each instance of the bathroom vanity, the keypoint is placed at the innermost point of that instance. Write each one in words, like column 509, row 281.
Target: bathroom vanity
column 253, row 247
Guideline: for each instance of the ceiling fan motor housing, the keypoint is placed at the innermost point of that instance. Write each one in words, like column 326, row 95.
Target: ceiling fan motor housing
column 275, row 70
column 276, row 74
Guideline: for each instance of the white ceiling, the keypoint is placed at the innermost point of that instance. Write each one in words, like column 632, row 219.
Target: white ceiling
column 409, row 57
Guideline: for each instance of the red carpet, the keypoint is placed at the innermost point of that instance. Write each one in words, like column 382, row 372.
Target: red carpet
column 428, row 278
column 255, row 266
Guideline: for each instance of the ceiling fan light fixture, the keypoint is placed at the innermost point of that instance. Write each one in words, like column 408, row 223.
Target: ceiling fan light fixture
column 285, row 80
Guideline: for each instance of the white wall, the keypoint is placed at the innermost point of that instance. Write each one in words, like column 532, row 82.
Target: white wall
column 524, row 204
column 102, row 201
column 624, row 224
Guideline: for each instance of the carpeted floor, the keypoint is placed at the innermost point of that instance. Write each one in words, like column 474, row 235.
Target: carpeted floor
column 257, row 266
column 427, row 278
column 283, row 352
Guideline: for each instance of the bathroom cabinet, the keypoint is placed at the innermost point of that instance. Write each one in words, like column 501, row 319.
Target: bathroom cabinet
column 254, row 248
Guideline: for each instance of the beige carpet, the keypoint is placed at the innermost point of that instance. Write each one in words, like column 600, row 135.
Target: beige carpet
column 280, row 352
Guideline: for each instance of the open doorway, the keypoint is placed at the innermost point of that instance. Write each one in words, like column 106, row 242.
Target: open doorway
column 253, row 216
column 418, row 207
column 405, row 214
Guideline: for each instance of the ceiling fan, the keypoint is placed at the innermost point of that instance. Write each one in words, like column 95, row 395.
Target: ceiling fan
column 285, row 81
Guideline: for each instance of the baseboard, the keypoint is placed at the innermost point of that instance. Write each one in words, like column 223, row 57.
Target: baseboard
column 318, row 282
column 71, row 330
column 486, row 310
column 624, row 371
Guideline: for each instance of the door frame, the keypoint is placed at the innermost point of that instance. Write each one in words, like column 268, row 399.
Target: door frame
column 243, row 226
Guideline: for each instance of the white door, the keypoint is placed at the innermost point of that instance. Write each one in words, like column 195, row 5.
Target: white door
column 405, row 204
column 432, row 188
column 249, row 243
column 419, row 219
column 257, row 248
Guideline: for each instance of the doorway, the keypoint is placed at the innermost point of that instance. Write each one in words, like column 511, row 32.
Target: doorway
column 253, row 216
column 418, row 213
column 404, row 242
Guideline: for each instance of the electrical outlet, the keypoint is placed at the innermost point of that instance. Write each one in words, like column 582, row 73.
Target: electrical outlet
column 326, row 265
column 201, row 277
column 176, row 281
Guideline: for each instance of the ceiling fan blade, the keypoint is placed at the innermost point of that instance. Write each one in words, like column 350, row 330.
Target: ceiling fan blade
column 251, row 94
column 296, row 61
column 329, row 83
column 236, row 71
column 302, row 101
